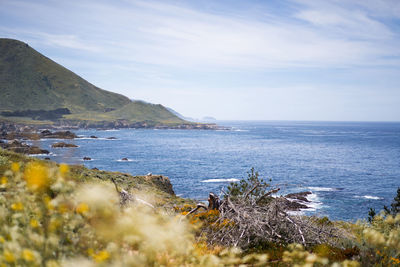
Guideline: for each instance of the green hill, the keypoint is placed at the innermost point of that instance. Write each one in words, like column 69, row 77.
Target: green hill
column 33, row 86
column 139, row 110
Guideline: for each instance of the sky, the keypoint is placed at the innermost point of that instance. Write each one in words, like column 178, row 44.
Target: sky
column 325, row 60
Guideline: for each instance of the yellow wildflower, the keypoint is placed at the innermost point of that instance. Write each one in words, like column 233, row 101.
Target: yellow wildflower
column 15, row 166
column 17, row 206
column 63, row 208
column 8, row 256
column 28, row 255
column 90, row 252
column 82, row 208
column 101, row 256
column 3, row 180
column 36, row 176
column 34, row 223
column 54, row 225
column 52, row 263
column 63, row 169
column 48, row 202
column 395, row 260
column 2, row 240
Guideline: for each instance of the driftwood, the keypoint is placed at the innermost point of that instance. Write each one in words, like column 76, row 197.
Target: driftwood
column 244, row 222
column 126, row 198
column 213, row 204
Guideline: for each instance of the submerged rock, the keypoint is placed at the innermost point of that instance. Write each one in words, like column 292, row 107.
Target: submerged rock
column 87, row 158
column 299, row 196
column 58, row 135
column 62, row 144
column 291, row 205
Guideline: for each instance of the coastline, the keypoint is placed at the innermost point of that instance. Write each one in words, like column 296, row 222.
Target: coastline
column 280, row 152
column 15, row 126
column 294, row 202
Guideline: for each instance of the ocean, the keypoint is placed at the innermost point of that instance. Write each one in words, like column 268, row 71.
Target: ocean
column 348, row 166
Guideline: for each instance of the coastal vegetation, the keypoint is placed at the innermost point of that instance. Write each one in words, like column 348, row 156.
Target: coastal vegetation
column 60, row 215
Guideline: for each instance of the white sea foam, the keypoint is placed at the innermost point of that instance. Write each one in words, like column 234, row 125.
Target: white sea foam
column 220, row 180
column 128, row 160
column 314, row 203
column 369, row 197
column 323, row 189
column 98, row 138
column 64, row 147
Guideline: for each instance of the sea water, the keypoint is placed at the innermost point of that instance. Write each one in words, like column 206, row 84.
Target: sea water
column 348, row 166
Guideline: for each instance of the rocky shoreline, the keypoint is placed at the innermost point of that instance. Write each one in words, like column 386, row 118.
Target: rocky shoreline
column 11, row 127
column 120, row 124
column 15, row 133
column 20, row 147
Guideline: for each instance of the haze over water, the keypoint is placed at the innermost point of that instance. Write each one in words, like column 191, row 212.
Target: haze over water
column 348, row 166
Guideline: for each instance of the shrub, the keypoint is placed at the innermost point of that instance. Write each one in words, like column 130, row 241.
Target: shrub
column 253, row 185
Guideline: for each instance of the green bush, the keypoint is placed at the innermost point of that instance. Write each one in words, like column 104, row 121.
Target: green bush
column 244, row 186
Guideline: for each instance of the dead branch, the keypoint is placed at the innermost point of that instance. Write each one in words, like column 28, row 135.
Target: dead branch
column 273, row 191
column 245, row 224
column 213, row 202
column 199, row 205
column 126, row 198
column 251, row 190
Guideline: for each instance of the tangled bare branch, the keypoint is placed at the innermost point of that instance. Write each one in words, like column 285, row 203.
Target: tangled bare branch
column 245, row 224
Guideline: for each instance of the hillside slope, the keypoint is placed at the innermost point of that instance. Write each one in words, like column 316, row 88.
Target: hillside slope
column 32, row 81
column 32, row 85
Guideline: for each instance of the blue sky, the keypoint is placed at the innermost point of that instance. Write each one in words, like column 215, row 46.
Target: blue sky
column 254, row 60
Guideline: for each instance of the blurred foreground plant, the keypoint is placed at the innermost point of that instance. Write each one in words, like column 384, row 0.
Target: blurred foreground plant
column 49, row 219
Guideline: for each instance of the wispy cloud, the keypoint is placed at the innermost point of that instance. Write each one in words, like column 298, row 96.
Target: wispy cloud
column 144, row 47
column 156, row 32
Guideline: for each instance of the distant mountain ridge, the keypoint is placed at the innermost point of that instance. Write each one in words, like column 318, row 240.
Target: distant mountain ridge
column 34, row 86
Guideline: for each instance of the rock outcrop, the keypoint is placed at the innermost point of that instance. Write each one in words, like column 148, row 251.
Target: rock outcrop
column 302, row 196
column 62, row 145
column 58, row 135
column 20, row 147
column 162, row 182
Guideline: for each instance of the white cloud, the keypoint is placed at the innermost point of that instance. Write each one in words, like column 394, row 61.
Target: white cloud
column 154, row 32
column 169, row 35
column 146, row 49
column 67, row 41
column 344, row 20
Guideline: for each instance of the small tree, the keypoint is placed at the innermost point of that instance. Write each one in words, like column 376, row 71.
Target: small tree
column 396, row 203
column 371, row 214
column 251, row 187
column 394, row 208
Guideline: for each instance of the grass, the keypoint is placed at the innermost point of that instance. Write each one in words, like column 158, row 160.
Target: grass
column 30, row 80
column 80, row 174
